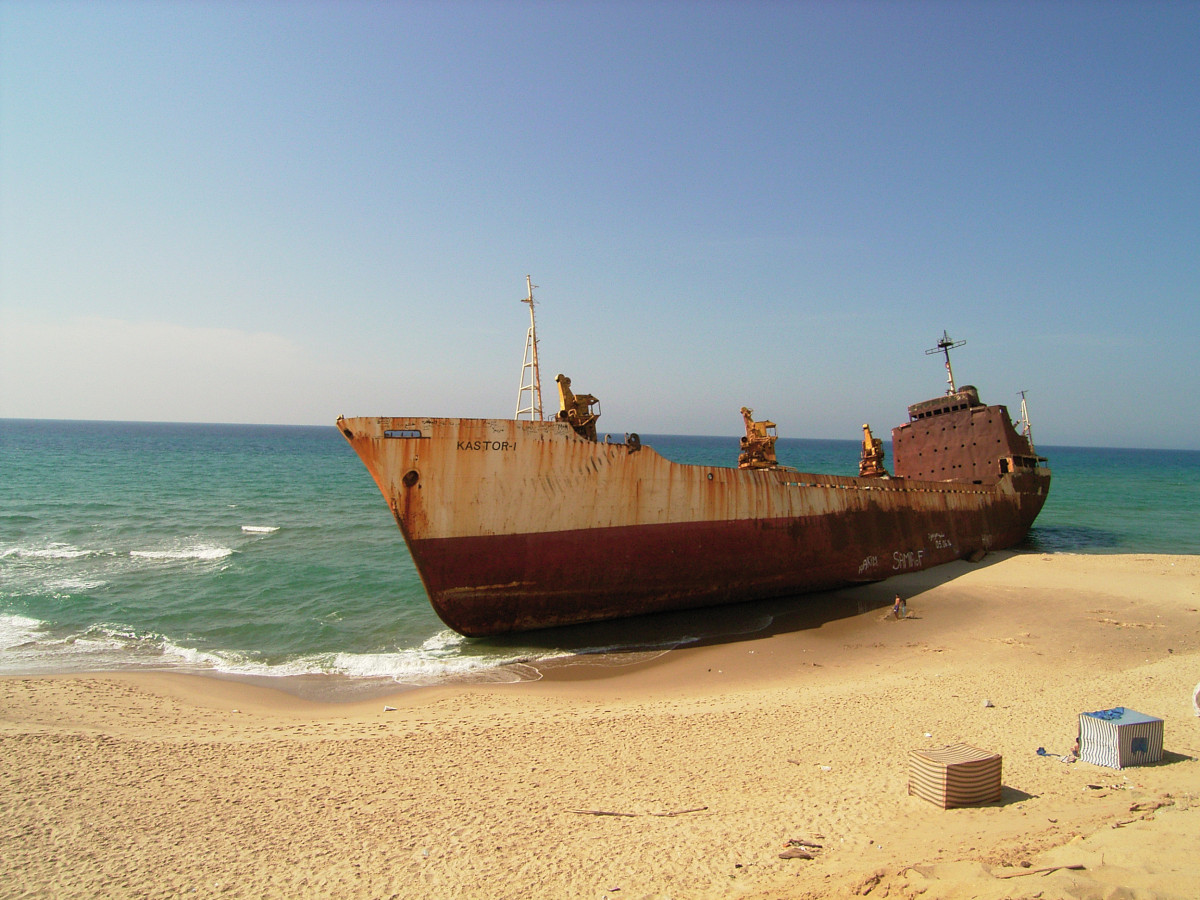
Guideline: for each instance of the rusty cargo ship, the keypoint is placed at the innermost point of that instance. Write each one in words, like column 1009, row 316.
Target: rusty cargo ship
column 516, row 525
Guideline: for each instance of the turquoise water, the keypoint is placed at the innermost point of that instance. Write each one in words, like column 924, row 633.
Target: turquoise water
column 268, row 551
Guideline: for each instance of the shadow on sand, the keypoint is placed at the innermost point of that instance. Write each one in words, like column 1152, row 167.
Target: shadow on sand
column 734, row 622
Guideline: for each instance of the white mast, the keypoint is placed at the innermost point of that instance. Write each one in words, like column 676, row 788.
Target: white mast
column 531, row 377
column 1026, row 427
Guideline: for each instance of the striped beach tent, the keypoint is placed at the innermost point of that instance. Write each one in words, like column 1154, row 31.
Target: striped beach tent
column 1120, row 737
column 957, row 775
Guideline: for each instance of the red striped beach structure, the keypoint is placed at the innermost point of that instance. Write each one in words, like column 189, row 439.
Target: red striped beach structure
column 957, row 775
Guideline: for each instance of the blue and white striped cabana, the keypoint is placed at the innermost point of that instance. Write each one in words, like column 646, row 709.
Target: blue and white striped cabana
column 1120, row 737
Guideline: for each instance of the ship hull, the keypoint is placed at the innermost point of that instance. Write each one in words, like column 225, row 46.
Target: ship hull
column 515, row 526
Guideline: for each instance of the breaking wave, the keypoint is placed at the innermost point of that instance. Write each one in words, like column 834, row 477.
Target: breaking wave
column 51, row 551
column 30, row 646
column 60, row 552
column 199, row 553
column 16, row 630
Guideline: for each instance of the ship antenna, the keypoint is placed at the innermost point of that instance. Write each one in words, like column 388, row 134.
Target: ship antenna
column 944, row 346
column 531, row 376
column 1026, row 427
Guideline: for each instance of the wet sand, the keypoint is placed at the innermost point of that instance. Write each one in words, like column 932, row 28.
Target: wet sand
column 684, row 777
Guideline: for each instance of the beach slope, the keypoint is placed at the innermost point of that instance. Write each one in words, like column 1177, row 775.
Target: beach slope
column 686, row 777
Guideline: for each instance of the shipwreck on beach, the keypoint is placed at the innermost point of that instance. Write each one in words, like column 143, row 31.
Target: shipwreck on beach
column 517, row 524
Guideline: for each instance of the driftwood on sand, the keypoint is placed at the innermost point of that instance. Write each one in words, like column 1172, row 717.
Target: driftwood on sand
column 606, row 812
column 1043, row 871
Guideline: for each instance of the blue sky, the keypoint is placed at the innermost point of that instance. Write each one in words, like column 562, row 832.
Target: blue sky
column 279, row 212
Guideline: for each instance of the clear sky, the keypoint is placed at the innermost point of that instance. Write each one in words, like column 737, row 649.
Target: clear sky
column 277, row 212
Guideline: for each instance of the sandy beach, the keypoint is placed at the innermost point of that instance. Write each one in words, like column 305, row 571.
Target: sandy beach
column 685, row 776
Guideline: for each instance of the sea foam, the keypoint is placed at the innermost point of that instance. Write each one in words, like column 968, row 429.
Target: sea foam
column 201, row 553
column 413, row 667
column 51, row 551
column 17, row 630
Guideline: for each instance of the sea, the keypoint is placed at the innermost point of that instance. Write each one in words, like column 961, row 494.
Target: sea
column 266, row 553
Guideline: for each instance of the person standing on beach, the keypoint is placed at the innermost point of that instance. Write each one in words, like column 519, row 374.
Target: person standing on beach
column 897, row 606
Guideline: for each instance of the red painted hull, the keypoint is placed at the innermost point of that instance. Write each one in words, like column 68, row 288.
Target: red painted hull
column 500, row 583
